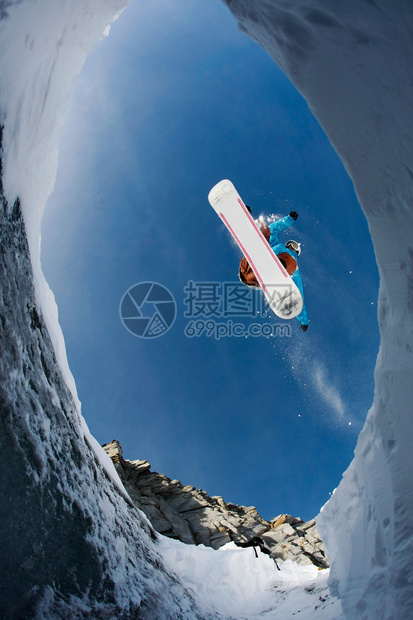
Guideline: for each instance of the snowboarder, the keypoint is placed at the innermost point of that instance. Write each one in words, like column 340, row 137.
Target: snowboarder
column 286, row 252
column 255, row 542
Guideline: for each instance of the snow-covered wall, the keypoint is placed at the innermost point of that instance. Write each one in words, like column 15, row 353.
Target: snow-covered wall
column 43, row 47
column 352, row 61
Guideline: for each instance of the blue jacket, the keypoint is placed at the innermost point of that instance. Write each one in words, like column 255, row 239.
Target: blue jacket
column 276, row 228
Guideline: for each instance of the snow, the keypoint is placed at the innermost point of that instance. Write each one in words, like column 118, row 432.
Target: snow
column 351, row 61
column 47, row 55
column 234, row 582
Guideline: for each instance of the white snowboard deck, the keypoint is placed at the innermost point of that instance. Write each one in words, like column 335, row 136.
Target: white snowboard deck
column 282, row 294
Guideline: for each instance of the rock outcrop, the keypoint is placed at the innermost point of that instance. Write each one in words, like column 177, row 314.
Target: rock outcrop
column 194, row 517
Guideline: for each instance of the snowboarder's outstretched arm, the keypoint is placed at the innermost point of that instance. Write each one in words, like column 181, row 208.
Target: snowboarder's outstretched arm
column 277, row 227
column 282, row 224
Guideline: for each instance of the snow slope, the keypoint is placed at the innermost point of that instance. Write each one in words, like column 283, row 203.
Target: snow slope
column 234, row 582
column 43, row 47
column 352, row 62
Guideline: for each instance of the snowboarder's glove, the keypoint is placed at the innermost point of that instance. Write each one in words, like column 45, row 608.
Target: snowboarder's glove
column 304, row 327
column 294, row 215
column 249, row 209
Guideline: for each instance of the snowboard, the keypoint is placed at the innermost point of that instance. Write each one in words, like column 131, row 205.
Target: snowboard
column 282, row 294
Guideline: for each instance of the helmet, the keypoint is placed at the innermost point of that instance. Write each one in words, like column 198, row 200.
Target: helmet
column 293, row 245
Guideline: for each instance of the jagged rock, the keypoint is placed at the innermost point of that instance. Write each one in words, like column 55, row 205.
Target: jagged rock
column 194, row 517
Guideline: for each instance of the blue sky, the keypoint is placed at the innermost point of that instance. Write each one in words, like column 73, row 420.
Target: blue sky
column 173, row 101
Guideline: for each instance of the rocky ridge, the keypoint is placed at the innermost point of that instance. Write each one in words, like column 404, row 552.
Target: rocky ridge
column 193, row 517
